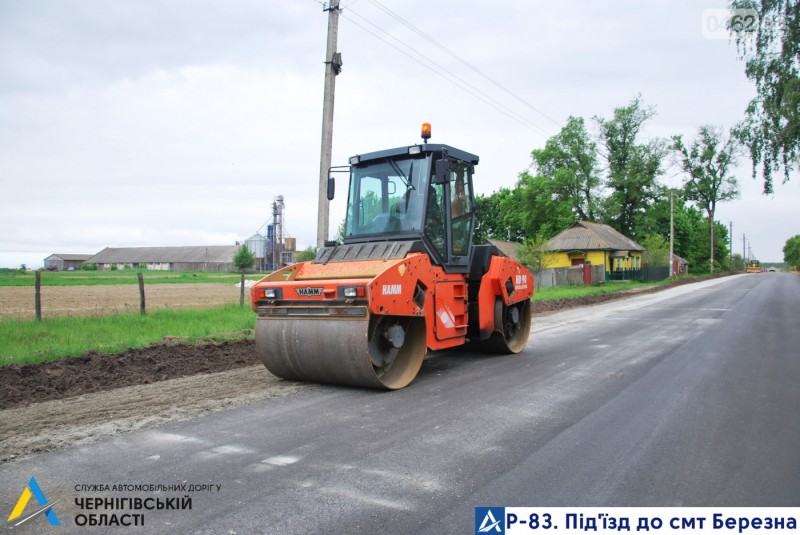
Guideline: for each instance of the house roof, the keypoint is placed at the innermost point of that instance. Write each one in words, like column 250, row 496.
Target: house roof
column 80, row 257
column 586, row 236
column 508, row 248
column 163, row 255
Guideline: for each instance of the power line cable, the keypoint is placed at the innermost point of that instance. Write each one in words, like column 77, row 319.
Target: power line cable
column 440, row 71
column 461, row 60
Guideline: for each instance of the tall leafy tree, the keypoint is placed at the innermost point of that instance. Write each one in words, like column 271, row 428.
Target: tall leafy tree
column 560, row 187
column 534, row 208
column 791, row 251
column 569, row 160
column 707, row 163
column 771, row 51
column 492, row 222
column 633, row 166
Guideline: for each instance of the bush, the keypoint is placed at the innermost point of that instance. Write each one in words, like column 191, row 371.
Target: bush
column 532, row 252
column 656, row 251
column 243, row 259
column 309, row 253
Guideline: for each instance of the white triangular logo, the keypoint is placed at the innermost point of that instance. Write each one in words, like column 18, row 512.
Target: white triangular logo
column 489, row 523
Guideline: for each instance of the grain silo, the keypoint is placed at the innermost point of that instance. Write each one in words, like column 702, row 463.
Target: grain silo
column 258, row 246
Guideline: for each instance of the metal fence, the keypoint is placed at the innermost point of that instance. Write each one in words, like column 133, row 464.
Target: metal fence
column 645, row 274
column 131, row 295
column 576, row 275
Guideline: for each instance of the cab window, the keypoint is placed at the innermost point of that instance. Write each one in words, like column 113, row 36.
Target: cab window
column 461, row 208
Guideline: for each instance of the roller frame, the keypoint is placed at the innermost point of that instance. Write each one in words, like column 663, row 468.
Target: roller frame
column 315, row 340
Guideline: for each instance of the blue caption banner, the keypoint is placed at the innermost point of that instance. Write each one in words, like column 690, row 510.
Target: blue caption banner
column 642, row 520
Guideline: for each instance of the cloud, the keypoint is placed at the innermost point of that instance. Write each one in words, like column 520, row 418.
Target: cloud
column 177, row 123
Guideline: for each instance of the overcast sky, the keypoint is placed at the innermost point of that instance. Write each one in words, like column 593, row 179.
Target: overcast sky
column 155, row 123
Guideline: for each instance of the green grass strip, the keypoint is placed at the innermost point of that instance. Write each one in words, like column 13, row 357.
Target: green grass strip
column 55, row 338
column 573, row 292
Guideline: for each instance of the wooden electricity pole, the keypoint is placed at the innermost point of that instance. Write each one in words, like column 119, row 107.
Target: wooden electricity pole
column 672, row 233
column 744, row 251
column 333, row 65
column 730, row 244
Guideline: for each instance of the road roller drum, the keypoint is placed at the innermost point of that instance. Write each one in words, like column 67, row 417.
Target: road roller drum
column 379, row 352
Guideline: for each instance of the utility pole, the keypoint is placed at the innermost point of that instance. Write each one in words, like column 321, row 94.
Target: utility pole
column 671, row 232
column 333, row 64
column 711, row 260
column 730, row 244
column 744, row 251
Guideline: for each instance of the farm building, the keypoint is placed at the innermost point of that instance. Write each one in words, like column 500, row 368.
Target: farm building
column 680, row 266
column 65, row 262
column 596, row 244
column 190, row 258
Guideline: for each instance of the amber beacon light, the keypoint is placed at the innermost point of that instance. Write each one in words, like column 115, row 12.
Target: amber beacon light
column 426, row 131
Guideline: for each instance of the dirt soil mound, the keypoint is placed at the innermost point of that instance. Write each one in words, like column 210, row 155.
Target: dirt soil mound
column 23, row 384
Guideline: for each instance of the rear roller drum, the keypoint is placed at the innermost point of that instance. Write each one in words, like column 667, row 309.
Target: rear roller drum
column 516, row 325
column 512, row 326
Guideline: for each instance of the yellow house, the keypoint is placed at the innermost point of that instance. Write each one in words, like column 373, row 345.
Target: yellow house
column 596, row 244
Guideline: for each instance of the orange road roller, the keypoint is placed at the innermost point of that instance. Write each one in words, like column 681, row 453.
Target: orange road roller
column 406, row 278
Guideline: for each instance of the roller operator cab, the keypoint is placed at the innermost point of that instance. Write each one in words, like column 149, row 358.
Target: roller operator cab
column 406, row 279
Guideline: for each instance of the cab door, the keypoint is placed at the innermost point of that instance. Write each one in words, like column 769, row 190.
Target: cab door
column 450, row 220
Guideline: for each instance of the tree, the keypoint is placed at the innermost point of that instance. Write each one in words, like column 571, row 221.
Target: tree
column 340, row 232
column 533, row 208
column 737, row 262
column 771, row 128
column 791, row 251
column 633, row 166
column 707, row 163
column 560, row 187
column 569, row 159
column 532, row 252
column 243, row 259
column 491, row 221
column 309, row 253
column 656, row 250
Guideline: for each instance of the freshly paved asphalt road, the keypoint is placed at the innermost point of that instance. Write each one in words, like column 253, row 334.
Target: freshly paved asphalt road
column 687, row 397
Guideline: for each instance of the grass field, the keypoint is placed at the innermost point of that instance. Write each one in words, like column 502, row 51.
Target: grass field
column 571, row 292
column 50, row 339
column 25, row 340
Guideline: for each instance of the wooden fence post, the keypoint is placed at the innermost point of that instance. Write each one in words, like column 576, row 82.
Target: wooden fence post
column 37, row 296
column 241, row 292
column 141, row 293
